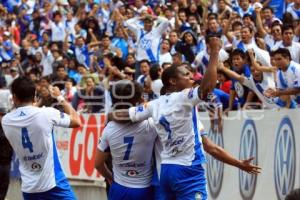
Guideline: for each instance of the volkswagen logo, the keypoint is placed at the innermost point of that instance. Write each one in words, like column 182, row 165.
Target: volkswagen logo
column 285, row 158
column 215, row 168
column 248, row 148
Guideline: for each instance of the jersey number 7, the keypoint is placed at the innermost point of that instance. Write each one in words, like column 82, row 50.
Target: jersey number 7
column 129, row 141
column 26, row 140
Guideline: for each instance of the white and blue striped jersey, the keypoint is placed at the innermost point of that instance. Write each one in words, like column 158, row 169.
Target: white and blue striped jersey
column 177, row 125
column 290, row 78
column 131, row 146
column 29, row 130
column 148, row 43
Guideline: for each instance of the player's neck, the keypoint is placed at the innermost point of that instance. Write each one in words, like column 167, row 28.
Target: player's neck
column 24, row 104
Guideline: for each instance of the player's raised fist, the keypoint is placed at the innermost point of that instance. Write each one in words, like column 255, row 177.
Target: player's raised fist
column 215, row 44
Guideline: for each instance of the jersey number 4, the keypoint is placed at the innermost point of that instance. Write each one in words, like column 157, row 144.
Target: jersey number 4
column 26, row 140
column 129, row 141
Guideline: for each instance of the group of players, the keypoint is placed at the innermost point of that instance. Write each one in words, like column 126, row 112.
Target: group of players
column 157, row 147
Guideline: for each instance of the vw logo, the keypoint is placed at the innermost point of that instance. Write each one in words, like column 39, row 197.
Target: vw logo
column 248, row 149
column 215, row 168
column 285, row 158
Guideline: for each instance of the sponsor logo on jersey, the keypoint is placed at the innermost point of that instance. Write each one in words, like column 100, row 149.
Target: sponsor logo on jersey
column 285, row 158
column 132, row 173
column 248, row 149
column 140, row 109
column 36, row 167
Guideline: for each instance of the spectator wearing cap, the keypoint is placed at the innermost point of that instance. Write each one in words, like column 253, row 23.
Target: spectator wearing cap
column 288, row 43
column 6, row 50
column 148, row 37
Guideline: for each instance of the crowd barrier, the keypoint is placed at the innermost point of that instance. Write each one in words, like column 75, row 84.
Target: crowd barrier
column 272, row 137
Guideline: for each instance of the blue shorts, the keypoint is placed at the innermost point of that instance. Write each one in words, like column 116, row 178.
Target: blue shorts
column 182, row 182
column 119, row 192
column 62, row 191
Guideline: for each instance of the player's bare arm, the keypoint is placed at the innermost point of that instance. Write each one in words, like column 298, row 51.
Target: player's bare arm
column 222, row 155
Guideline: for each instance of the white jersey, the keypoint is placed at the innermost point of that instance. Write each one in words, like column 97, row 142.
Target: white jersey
column 294, row 50
column 131, row 147
column 202, row 59
column 29, row 131
column 290, row 78
column 259, row 88
column 177, row 125
column 148, row 43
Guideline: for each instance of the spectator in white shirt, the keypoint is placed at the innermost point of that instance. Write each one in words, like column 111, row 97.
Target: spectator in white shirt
column 164, row 55
column 47, row 61
column 57, row 28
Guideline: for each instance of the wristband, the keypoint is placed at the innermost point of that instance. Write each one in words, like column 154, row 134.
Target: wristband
column 60, row 98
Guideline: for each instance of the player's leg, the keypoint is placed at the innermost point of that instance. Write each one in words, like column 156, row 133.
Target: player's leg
column 166, row 192
column 189, row 182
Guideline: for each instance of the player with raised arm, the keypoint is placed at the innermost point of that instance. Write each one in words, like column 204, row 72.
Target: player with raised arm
column 182, row 173
column 29, row 130
column 131, row 147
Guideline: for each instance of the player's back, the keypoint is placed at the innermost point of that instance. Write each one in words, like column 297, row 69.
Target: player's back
column 131, row 147
column 29, row 131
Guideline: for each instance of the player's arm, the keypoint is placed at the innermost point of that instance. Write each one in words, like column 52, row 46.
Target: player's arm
column 100, row 165
column 133, row 114
column 220, row 154
column 75, row 121
column 232, row 74
column 209, row 80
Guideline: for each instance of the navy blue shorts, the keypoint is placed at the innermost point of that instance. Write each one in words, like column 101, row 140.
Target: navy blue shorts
column 119, row 192
column 182, row 182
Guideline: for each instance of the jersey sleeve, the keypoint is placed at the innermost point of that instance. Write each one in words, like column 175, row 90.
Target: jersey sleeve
column 141, row 112
column 103, row 144
column 248, row 82
column 190, row 96
column 57, row 118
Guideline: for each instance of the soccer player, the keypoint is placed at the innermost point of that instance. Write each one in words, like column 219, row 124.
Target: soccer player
column 29, row 130
column 182, row 173
column 131, row 147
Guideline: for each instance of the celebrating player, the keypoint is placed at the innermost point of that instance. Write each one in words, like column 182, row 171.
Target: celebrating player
column 29, row 130
column 131, row 146
column 174, row 114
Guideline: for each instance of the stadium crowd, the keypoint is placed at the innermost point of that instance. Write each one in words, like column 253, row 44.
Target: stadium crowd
column 83, row 47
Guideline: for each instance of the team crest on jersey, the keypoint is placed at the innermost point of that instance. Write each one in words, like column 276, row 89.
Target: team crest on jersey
column 140, row 109
column 191, row 93
column 132, row 173
column 36, row 167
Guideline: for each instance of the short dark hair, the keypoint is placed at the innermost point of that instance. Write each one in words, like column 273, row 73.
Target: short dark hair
column 145, row 61
column 59, row 66
column 128, row 89
column 268, row 8
column 293, row 195
column 236, row 23
column 169, row 73
column 238, row 52
column 154, row 72
column 249, row 28
column 284, row 52
column 24, row 89
column 287, row 27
